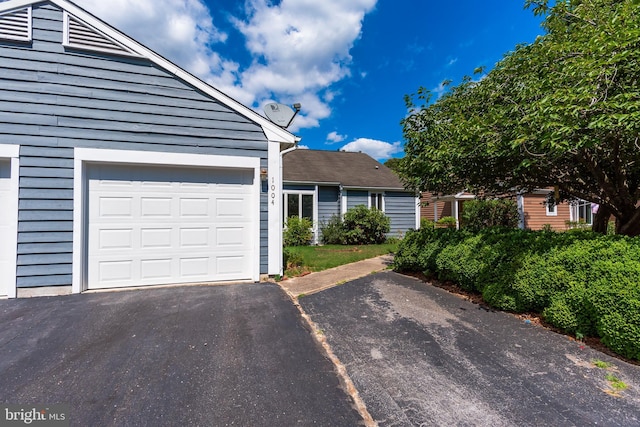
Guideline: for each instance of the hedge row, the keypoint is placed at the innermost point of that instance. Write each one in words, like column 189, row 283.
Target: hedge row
column 581, row 282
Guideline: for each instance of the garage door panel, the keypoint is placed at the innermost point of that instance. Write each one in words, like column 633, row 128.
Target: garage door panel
column 194, row 207
column 230, row 265
column 115, row 238
column 195, row 237
column 116, row 207
column 191, row 229
column 156, row 207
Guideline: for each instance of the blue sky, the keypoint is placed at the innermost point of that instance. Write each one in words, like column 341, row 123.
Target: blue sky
column 348, row 62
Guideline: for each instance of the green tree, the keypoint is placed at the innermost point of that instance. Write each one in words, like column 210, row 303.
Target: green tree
column 393, row 164
column 561, row 112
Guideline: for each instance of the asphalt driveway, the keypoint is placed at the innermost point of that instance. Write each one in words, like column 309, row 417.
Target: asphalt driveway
column 421, row 356
column 215, row 356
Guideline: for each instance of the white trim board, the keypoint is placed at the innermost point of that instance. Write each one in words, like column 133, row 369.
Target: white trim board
column 85, row 156
column 11, row 152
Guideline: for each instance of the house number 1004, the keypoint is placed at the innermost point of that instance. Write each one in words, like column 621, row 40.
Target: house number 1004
column 273, row 191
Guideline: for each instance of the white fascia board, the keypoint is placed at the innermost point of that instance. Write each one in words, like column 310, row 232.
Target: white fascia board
column 321, row 184
column 16, row 4
column 272, row 132
column 374, row 189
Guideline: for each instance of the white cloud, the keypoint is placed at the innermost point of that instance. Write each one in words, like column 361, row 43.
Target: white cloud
column 334, row 137
column 440, row 90
column 180, row 30
column 379, row 150
column 299, row 48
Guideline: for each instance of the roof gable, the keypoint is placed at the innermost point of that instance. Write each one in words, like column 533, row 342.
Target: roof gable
column 130, row 46
column 349, row 169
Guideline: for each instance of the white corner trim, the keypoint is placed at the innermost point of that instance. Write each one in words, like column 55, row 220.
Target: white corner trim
column 78, row 282
column 12, row 152
column 274, row 210
column 84, row 156
column 418, row 211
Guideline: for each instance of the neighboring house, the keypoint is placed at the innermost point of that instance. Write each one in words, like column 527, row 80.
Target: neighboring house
column 118, row 168
column 319, row 184
column 535, row 213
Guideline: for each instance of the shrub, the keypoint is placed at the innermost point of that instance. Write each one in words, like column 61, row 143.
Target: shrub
column 333, row 231
column 447, row 222
column 479, row 214
column 583, row 283
column 298, row 232
column 426, row 223
column 364, row 226
column 291, row 259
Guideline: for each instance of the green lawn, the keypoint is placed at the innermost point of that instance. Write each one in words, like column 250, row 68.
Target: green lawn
column 318, row 258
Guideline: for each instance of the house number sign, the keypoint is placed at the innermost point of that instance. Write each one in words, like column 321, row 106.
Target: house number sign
column 273, row 191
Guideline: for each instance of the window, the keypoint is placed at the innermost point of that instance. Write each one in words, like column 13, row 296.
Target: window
column 552, row 208
column 376, row 200
column 298, row 205
column 584, row 212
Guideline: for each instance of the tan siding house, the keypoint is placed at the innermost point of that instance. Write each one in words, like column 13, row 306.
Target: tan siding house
column 534, row 212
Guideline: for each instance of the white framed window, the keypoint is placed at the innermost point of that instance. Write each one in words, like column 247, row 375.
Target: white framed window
column 552, row 208
column 376, row 200
column 299, row 204
column 583, row 212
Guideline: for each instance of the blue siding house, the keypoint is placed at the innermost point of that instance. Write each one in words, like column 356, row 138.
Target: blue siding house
column 118, row 168
column 319, row 184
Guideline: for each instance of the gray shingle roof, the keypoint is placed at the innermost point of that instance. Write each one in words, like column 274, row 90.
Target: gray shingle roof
column 338, row 167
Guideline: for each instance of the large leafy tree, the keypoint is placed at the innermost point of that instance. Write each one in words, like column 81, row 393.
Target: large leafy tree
column 561, row 112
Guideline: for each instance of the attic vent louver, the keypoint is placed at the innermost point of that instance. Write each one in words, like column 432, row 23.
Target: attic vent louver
column 16, row 25
column 80, row 35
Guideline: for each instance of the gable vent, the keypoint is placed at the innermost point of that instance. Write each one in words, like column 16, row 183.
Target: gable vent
column 81, row 36
column 16, row 25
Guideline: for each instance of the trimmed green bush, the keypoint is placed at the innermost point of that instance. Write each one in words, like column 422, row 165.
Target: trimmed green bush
column 447, row 222
column 583, row 283
column 479, row 214
column 426, row 223
column 333, row 231
column 364, row 226
column 298, row 232
column 360, row 226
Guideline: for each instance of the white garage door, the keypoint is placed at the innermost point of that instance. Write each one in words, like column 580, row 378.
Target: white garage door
column 161, row 225
column 6, row 249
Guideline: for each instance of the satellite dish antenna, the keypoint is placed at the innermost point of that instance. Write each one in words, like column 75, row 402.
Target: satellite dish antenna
column 281, row 114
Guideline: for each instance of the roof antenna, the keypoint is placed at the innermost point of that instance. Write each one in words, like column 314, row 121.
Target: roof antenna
column 281, row 114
